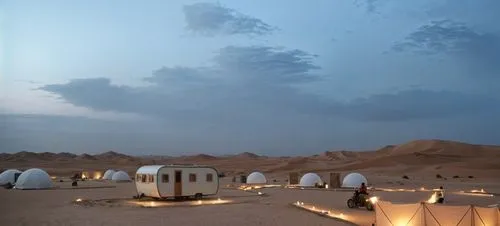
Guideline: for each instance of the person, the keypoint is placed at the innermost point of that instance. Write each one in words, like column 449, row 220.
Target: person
column 363, row 189
column 440, row 195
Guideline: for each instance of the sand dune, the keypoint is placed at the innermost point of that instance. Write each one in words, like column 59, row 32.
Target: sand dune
column 414, row 156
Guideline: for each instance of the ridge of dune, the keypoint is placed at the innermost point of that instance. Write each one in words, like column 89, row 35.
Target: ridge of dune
column 440, row 147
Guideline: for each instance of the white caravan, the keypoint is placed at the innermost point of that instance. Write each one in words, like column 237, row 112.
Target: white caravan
column 167, row 181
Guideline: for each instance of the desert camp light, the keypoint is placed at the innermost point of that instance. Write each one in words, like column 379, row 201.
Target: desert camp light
column 433, row 198
column 481, row 194
column 324, row 212
column 153, row 204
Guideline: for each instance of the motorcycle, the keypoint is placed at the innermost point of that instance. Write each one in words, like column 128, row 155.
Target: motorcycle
column 362, row 200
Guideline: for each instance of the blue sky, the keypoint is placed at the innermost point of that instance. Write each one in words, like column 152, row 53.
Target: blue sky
column 271, row 77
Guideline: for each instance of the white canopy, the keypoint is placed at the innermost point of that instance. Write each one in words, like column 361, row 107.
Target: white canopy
column 9, row 176
column 388, row 214
column 108, row 174
column 33, row 179
column 354, row 180
column 120, row 176
column 310, row 179
column 256, row 178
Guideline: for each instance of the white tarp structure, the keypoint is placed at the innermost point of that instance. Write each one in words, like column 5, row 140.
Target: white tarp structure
column 9, row 176
column 33, row 179
column 310, row 180
column 108, row 174
column 354, row 180
column 120, row 176
column 423, row 214
column 256, row 178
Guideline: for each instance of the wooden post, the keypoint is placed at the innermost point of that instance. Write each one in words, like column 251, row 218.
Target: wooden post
column 335, row 180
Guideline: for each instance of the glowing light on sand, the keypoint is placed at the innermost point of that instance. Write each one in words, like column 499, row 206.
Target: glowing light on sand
column 396, row 190
column 433, row 198
column 260, row 193
column 422, row 189
column 53, row 177
column 474, row 194
column 326, row 186
column 199, row 202
column 315, row 209
column 373, row 199
column 78, row 200
column 478, row 191
column 97, row 175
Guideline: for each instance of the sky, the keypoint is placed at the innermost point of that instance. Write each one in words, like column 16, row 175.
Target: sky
column 279, row 77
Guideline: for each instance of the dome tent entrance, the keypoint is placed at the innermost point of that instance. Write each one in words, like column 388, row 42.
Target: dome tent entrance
column 120, row 176
column 9, row 176
column 108, row 174
column 33, row 179
column 354, row 180
column 310, row 180
column 256, row 178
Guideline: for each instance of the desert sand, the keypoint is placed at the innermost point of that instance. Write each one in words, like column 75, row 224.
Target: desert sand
column 462, row 167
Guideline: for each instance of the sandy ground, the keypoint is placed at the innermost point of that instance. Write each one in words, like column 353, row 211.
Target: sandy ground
column 57, row 206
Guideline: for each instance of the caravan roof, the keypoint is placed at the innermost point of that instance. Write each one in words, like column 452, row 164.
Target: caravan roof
column 153, row 169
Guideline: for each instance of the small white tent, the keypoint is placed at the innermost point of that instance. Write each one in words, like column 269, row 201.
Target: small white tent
column 353, row 180
column 9, row 176
column 256, row 178
column 108, row 174
column 120, row 176
column 310, row 179
column 34, row 179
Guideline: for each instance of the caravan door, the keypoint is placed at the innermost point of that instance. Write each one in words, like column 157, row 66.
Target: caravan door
column 178, row 183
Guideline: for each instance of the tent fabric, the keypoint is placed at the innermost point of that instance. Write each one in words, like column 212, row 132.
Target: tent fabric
column 256, row 178
column 485, row 216
column 9, row 176
column 120, row 176
column 353, row 180
column 108, row 174
column 34, row 179
column 389, row 214
column 398, row 214
column 447, row 215
column 310, row 180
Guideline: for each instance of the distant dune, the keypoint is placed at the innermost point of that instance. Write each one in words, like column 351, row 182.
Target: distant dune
column 442, row 147
column 414, row 156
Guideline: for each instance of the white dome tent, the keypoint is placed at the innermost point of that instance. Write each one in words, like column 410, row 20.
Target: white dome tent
column 310, row 180
column 256, row 178
column 33, row 179
column 353, row 180
column 9, row 176
column 120, row 176
column 108, row 174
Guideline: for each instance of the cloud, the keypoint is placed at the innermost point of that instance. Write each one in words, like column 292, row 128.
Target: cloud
column 214, row 19
column 416, row 104
column 479, row 51
column 258, row 84
column 369, row 5
column 241, row 79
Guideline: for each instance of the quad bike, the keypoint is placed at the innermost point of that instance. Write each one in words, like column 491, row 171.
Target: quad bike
column 361, row 200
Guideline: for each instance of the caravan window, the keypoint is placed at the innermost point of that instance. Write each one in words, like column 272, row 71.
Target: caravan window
column 138, row 177
column 143, row 178
column 210, row 177
column 192, row 177
column 151, row 178
column 164, row 178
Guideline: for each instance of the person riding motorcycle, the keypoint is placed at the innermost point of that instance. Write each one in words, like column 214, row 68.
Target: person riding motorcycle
column 363, row 189
column 362, row 192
